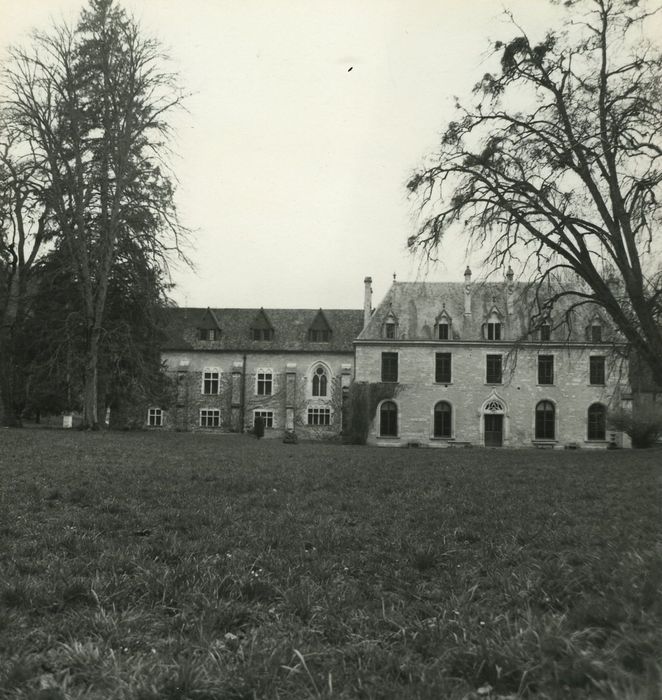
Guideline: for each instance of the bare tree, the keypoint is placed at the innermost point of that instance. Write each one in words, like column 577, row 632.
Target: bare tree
column 556, row 169
column 90, row 104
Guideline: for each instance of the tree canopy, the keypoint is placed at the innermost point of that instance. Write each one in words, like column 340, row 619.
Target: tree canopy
column 556, row 167
column 87, row 107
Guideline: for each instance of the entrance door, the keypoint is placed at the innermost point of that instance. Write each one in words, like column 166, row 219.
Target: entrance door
column 493, row 430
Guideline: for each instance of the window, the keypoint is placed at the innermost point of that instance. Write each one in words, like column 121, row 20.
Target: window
column 316, row 335
column 597, row 369
column 210, row 380
column 388, row 419
column 267, row 417
column 210, row 417
column 262, row 333
column 389, row 366
column 494, row 330
column 443, row 331
column 442, row 367
column 155, row 417
column 319, row 416
column 545, row 421
column 597, row 422
column 596, row 333
column 545, row 332
column 389, row 330
column 264, row 383
column 209, row 334
column 493, row 369
column 442, row 420
column 545, row 369
column 320, row 382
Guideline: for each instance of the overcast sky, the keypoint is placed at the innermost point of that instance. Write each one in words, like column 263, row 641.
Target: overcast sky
column 305, row 121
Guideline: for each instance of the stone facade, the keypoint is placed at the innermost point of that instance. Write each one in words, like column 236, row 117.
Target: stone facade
column 465, row 371
column 290, row 366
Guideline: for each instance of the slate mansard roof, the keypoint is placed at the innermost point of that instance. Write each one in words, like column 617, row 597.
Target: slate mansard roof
column 290, row 327
column 417, row 307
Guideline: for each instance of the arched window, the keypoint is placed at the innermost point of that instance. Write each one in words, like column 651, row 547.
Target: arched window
column 320, row 382
column 442, row 419
column 597, row 422
column 545, row 421
column 388, row 419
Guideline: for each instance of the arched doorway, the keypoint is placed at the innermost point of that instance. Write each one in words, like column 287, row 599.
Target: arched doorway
column 493, row 417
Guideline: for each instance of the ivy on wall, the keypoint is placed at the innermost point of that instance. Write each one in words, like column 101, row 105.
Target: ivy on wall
column 362, row 402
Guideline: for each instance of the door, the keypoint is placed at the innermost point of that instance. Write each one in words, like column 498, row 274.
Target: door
column 493, row 430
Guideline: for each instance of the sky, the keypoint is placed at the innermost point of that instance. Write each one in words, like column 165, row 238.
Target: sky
column 304, row 121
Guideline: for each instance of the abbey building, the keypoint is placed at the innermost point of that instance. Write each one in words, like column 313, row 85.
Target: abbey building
column 454, row 363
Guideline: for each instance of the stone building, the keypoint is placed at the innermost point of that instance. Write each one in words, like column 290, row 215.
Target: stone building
column 458, row 367
column 292, row 367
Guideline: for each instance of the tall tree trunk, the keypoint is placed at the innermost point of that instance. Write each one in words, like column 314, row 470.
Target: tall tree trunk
column 90, row 407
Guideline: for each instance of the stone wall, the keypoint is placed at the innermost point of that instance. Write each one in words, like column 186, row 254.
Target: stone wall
column 519, row 392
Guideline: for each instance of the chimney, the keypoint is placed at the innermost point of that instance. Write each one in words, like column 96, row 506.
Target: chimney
column 467, row 292
column 367, row 301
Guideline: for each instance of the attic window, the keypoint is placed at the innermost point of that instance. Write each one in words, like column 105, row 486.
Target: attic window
column 595, row 333
column 318, row 335
column 545, row 332
column 262, row 333
column 209, row 334
column 443, row 332
column 493, row 330
column 389, row 330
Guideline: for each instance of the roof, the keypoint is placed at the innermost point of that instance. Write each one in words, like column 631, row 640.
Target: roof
column 417, row 307
column 290, row 329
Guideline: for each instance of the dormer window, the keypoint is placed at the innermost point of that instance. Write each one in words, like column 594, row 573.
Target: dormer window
column 209, row 334
column 209, row 327
column 443, row 324
column 261, row 328
column 596, row 333
column 263, row 333
column 494, row 330
column 545, row 332
column 316, row 335
column 390, row 327
column 319, row 330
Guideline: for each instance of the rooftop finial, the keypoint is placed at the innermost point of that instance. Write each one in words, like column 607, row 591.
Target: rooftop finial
column 467, row 275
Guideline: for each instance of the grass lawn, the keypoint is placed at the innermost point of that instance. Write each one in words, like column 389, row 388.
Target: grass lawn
column 164, row 566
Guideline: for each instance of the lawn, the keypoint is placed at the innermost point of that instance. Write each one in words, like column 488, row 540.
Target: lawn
column 164, row 566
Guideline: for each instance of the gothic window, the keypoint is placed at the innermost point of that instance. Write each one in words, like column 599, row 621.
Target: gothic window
column 545, row 421
column 320, row 382
column 388, row 419
column 442, row 420
column 597, row 422
column 494, row 406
